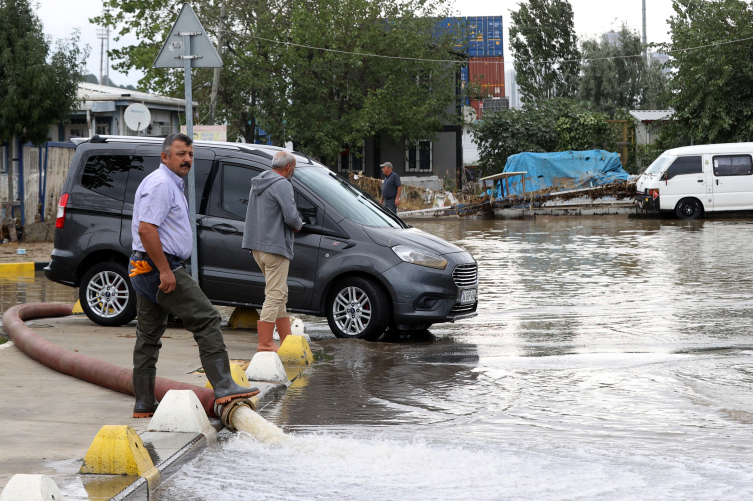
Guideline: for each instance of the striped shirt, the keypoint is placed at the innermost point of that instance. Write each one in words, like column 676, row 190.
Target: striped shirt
column 160, row 201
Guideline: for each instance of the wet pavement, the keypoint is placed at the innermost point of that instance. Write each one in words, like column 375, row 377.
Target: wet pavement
column 611, row 359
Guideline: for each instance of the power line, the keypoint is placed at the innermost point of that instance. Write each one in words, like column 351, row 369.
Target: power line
column 550, row 61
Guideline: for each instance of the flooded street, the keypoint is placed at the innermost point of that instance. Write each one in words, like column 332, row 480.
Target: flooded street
column 612, row 359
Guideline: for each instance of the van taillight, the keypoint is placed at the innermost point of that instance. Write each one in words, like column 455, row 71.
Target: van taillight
column 60, row 221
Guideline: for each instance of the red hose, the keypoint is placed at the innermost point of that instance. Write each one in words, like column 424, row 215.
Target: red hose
column 80, row 366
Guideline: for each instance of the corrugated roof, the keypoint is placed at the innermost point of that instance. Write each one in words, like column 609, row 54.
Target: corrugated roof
column 94, row 92
column 651, row 115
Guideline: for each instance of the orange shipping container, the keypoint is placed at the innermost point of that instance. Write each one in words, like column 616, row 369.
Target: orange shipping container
column 491, row 71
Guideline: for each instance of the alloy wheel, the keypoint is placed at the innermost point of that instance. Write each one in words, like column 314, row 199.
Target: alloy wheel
column 107, row 294
column 352, row 310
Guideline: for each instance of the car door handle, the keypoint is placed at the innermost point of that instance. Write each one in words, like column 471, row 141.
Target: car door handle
column 225, row 228
column 700, row 180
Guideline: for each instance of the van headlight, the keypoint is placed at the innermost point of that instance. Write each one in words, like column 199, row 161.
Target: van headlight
column 419, row 257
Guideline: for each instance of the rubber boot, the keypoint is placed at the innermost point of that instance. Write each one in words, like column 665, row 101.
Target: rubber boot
column 225, row 388
column 143, row 390
column 266, row 331
column 283, row 328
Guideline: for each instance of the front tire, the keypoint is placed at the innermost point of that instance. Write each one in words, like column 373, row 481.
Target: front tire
column 107, row 296
column 689, row 208
column 358, row 309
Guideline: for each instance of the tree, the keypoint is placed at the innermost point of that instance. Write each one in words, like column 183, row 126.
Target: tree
column 38, row 86
column 711, row 88
column 612, row 78
column 545, row 47
column 275, row 75
column 548, row 125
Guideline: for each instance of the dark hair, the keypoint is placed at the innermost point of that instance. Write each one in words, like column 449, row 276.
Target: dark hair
column 169, row 140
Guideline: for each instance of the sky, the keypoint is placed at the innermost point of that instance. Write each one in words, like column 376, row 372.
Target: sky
column 592, row 17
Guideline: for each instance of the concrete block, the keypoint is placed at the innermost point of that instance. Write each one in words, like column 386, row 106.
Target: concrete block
column 238, row 376
column 297, row 328
column 242, row 318
column 117, row 450
column 14, row 269
column 22, row 487
column 77, row 310
column 266, row 366
column 180, row 411
column 296, row 350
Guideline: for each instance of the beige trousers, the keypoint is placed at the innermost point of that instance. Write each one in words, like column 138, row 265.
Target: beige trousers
column 274, row 267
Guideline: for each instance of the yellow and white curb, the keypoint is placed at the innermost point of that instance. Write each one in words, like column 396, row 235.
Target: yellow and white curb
column 238, row 376
column 23, row 487
column 243, row 318
column 267, row 366
column 295, row 350
column 77, row 309
column 181, row 411
column 13, row 269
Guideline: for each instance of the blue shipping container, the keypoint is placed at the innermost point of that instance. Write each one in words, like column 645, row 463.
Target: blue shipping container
column 484, row 34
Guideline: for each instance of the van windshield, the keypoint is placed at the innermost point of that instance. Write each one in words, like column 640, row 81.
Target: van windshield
column 658, row 165
column 346, row 199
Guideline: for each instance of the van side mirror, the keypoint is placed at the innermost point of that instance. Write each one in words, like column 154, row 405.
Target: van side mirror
column 665, row 176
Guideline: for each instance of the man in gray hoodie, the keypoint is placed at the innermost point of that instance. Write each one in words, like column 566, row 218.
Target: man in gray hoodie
column 271, row 219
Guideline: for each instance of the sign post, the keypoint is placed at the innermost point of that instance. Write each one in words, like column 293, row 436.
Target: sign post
column 187, row 46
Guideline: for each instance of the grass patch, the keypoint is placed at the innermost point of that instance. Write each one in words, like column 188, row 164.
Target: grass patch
column 3, row 339
column 322, row 355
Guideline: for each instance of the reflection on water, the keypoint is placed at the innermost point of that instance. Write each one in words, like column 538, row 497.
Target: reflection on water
column 33, row 288
column 611, row 359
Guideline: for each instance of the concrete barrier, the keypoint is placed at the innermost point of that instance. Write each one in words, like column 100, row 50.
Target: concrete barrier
column 238, row 376
column 22, row 487
column 77, row 309
column 295, row 350
column 243, row 318
column 16, row 269
column 266, row 366
column 181, row 411
column 117, row 450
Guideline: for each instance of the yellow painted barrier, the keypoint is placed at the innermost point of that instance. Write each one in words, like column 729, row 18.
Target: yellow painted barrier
column 295, row 350
column 238, row 376
column 77, row 309
column 243, row 319
column 118, row 450
column 8, row 269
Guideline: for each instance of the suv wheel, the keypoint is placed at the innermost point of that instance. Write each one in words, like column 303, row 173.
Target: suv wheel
column 106, row 295
column 356, row 308
column 689, row 208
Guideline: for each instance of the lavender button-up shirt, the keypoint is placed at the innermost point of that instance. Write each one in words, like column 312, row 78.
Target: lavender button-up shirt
column 160, row 201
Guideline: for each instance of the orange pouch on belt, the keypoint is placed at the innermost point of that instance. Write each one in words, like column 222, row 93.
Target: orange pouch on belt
column 139, row 267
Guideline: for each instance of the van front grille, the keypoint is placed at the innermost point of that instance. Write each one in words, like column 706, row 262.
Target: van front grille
column 463, row 308
column 465, row 275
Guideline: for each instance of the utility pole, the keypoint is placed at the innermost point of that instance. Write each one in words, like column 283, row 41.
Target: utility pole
column 645, row 39
column 104, row 47
column 216, row 79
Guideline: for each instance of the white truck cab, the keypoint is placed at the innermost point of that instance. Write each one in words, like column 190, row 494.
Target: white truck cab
column 694, row 180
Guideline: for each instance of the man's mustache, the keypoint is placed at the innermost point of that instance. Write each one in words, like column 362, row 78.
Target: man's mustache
column 186, row 164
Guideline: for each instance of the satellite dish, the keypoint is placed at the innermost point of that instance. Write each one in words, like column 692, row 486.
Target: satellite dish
column 469, row 114
column 137, row 117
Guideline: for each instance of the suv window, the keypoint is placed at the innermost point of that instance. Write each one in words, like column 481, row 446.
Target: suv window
column 140, row 168
column 306, row 209
column 236, row 186
column 732, row 165
column 108, row 174
column 685, row 165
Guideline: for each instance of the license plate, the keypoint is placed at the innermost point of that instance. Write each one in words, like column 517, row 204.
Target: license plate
column 468, row 296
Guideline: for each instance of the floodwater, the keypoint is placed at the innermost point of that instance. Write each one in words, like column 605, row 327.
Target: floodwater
column 33, row 288
column 611, row 360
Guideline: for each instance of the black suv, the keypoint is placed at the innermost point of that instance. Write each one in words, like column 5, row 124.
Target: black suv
column 355, row 262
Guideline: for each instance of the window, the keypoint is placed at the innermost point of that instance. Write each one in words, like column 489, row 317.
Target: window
column 107, row 174
column 732, row 165
column 418, row 156
column 352, row 160
column 140, row 168
column 658, row 164
column 344, row 198
column 685, row 165
column 306, row 209
column 236, row 187
column 103, row 129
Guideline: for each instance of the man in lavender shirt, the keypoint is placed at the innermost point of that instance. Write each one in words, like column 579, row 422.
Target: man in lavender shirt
column 162, row 239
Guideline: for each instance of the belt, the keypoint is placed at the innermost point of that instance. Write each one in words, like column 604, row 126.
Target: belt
column 171, row 257
column 390, row 198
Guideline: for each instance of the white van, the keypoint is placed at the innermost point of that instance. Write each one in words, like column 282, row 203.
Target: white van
column 694, row 180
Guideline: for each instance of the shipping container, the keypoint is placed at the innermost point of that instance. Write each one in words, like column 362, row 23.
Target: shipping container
column 490, row 71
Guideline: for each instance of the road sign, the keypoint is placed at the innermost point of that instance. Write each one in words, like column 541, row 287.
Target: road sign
column 137, row 117
column 188, row 46
column 202, row 53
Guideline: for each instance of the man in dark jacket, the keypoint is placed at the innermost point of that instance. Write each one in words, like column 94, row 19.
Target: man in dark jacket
column 271, row 219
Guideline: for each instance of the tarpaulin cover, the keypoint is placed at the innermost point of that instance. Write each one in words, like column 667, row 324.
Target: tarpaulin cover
column 568, row 170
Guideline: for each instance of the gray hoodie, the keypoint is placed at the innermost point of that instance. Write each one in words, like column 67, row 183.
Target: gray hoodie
column 271, row 216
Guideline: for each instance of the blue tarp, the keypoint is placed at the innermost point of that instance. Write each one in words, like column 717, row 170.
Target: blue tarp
column 569, row 170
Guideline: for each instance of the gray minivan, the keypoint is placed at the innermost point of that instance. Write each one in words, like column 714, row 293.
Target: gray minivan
column 355, row 262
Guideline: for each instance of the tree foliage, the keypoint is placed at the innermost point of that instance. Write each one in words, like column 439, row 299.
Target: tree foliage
column 711, row 88
column 38, row 84
column 612, row 78
column 548, row 125
column 322, row 100
column 545, row 47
